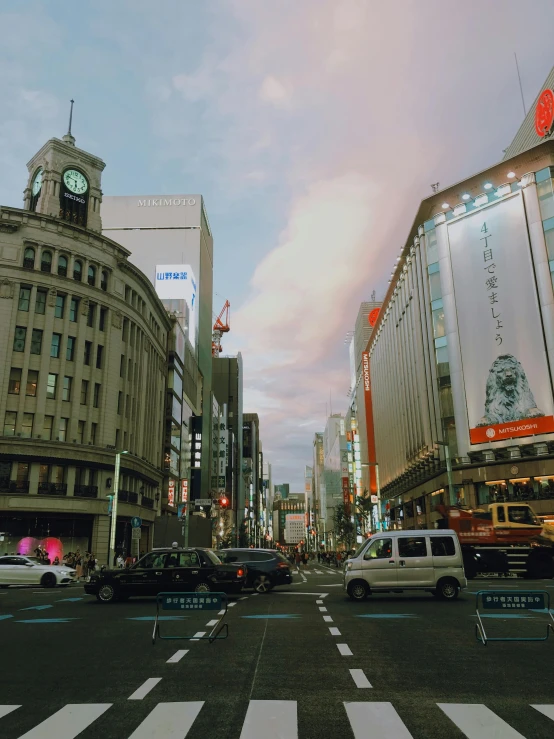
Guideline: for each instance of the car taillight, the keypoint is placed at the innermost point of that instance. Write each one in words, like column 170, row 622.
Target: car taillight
column 283, row 566
column 240, row 572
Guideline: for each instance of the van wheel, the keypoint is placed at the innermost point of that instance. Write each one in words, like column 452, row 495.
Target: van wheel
column 447, row 589
column 358, row 590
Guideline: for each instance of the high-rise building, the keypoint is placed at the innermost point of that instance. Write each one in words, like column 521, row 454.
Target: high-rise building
column 335, row 471
column 170, row 240
column 251, row 471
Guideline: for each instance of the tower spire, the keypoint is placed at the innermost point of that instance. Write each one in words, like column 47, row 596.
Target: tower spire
column 69, row 138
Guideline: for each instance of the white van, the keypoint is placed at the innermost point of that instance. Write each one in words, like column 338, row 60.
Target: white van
column 394, row 561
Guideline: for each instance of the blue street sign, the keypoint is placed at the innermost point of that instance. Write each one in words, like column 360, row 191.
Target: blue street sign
column 136, row 522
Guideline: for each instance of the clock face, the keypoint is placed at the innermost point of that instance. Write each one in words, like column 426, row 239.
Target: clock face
column 75, row 181
column 37, row 182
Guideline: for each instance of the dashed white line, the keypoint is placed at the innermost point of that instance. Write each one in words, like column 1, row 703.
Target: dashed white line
column 360, row 679
column 253, row 594
column 244, row 597
column 345, row 650
column 198, row 635
column 177, row 656
column 230, row 605
column 322, row 609
column 220, row 613
column 144, row 689
column 213, row 622
column 328, row 619
column 319, row 602
column 167, row 721
column 334, row 631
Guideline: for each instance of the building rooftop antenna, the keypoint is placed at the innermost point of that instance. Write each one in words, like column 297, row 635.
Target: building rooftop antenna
column 69, row 138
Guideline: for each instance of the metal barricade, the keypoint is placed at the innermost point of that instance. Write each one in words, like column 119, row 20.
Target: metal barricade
column 192, row 603
column 512, row 601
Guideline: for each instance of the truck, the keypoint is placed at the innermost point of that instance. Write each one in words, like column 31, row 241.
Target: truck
column 507, row 539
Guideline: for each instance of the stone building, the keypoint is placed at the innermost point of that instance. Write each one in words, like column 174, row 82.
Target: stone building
column 84, row 340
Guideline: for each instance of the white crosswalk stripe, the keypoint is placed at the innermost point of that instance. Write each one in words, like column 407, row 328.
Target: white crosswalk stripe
column 278, row 719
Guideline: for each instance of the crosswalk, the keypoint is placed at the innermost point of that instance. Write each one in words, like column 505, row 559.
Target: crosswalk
column 279, row 718
column 306, row 571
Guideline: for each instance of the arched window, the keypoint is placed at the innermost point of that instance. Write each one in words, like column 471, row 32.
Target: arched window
column 91, row 275
column 104, row 280
column 29, row 258
column 46, row 261
column 78, row 270
column 62, row 266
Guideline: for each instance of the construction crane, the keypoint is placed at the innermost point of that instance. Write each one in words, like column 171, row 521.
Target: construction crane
column 220, row 328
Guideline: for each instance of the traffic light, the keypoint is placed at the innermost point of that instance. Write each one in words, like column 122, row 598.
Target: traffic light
column 224, row 502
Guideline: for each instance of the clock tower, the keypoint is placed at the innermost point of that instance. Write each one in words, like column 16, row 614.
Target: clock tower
column 65, row 182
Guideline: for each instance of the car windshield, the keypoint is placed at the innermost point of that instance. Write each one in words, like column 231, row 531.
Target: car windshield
column 213, row 557
column 359, row 550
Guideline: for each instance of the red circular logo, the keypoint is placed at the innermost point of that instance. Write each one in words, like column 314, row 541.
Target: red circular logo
column 372, row 318
column 544, row 113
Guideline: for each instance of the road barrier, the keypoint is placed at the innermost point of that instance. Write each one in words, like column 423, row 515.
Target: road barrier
column 192, row 603
column 512, row 601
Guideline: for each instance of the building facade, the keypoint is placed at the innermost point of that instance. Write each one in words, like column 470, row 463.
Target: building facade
column 462, row 355
column 84, row 340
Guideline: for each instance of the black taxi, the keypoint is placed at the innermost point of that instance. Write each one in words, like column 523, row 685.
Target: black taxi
column 170, row 569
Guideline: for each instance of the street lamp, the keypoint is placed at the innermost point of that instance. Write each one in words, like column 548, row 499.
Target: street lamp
column 114, row 507
column 451, row 491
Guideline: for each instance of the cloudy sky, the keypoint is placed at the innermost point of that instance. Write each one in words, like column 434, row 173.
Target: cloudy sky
column 312, row 127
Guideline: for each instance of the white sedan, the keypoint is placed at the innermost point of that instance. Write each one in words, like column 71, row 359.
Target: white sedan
column 18, row 570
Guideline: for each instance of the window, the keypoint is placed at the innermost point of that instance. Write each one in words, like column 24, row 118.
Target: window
column 91, row 275
column 24, row 298
column 43, row 473
column 36, row 341
column 60, row 306
column 99, row 350
column 88, row 349
column 73, row 310
column 442, row 546
column 63, row 428
column 9, row 423
column 40, row 302
column 411, row 546
column 438, row 322
column 435, row 285
column 102, row 322
column 521, row 514
column 432, row 246
column 96, row 397
column 93, row 427
column 117, row 438
column 78, row 270
column 47, row 427
column 62, row 266
column 125, row 333
column 80, row 431
column 379, row 549
column 84, row 392
column 22, row 472
column 90, row 316
column 153, row 561
column 14, row 387
column 70, row 349
column 51, row 386
column 46, row 261
column 55, row 345
column 121, row 363
column 19, row 339
column 27, row 425
column 29, row 258
column 66, row 390
column 104, row 280
column 32, row 382
column 119, row 402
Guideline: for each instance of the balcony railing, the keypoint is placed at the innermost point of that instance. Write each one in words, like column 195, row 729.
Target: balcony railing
column 28, row 263
column 85, row 491
column 13, row 486
column 52, row 488
column 147, row 502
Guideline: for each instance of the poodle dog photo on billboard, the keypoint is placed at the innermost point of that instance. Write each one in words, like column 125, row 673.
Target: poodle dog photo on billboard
column 508, row 395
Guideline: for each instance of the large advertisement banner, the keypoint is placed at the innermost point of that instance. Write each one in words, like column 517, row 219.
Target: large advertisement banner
column 177, row 282
column 507, row 382
column 370, row 430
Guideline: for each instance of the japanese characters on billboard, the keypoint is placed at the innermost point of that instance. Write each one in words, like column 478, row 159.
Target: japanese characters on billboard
column 370, row 430
column 176, row 282
column 507, row 383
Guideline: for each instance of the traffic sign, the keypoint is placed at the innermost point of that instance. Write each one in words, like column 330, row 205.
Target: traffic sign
column 135, row 533
column 203, row 502
column 136, row 522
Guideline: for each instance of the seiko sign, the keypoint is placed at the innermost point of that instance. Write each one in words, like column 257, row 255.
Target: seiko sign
column 74, row 197
column 150, row 203
column 365, row 370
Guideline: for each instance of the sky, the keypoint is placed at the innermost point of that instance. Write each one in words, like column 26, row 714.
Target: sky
column 313, row 128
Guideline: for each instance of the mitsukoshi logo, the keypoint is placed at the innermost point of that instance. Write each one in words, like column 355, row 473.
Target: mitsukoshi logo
column 365, row 370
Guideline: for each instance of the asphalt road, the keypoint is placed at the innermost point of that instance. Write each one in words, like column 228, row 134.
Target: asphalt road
column 302, row 661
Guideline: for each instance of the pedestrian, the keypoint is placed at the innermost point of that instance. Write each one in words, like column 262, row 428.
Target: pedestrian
column 78, row 566
column 297, row 559
column 120, row 561
column 91, row 565
column 56, row 562
column 305, row 559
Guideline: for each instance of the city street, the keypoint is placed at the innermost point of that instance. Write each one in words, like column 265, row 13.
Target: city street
column 302, row 661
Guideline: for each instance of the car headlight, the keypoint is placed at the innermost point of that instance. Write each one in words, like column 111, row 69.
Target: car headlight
column 348, row 566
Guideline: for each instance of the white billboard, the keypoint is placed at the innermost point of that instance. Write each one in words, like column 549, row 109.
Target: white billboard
column 177, row 282
column 295, row 528
column 507, row 381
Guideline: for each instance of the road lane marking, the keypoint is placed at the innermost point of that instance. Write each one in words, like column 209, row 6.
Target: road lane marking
column 4, row 710
column 323, row 595
column 46, row 620
column 230, row 605
column 334, row 631
column 144, row 689
column 274, row 615
column 360, row 679
column 177, row 657
column 168, row 721
column 547, row 710
column 270, row 719
column 5, row 616
column 477, row 721
column 319, row 572
column 330, row 585
column 345, row 650
column 220, row 613
column 36, row 608
column 328, row 619
column 295, row 592
column 68, row 722
column 198, row 635
column 213, row 622
column 244, row 597
column 374, row 720
column 319, row 602
column 322, row 609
